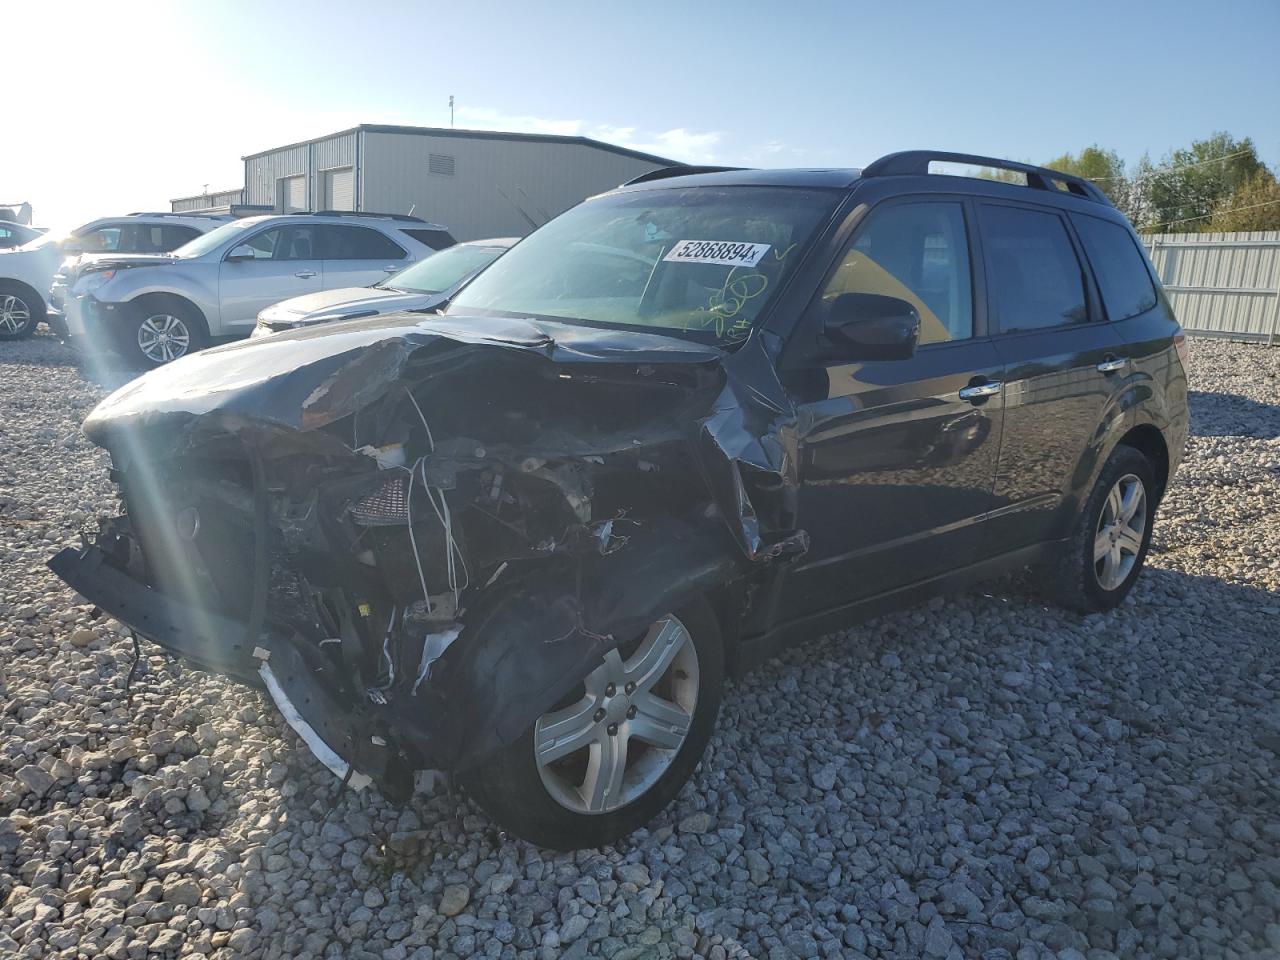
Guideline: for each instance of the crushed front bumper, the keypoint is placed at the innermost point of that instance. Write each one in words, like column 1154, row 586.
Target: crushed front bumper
column 303, row 686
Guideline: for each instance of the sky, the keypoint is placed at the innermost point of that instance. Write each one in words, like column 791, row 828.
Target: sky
column 120, row 106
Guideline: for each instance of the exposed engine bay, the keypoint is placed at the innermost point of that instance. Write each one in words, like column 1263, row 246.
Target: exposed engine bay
column 418, row 533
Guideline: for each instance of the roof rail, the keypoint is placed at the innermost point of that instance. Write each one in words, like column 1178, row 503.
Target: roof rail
column 916, row 162
column 684, row 170
column 174, row 213
column 364, row 213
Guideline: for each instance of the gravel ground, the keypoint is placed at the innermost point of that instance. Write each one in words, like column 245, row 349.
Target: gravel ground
column 982, row 777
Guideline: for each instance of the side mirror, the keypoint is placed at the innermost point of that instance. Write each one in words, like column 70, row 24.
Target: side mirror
column 240, row 252
column 868, row 326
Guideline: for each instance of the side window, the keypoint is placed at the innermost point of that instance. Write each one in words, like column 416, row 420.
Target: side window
column 264, row 244
column 101, row 240
column 1118, row 266
column 360, row 243
column 435, row 239
column 918, row 252
column 1036, row 280
column 297, row 242
column 172, row 236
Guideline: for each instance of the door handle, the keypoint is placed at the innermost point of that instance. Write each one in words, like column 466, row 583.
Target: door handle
column 980, row 391
column 1112, row 364
column 390, row 269
column 305, row 274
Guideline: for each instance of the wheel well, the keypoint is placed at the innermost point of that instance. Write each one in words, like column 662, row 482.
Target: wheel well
column 1149, row 442
column 28, row 291
column 152, row 301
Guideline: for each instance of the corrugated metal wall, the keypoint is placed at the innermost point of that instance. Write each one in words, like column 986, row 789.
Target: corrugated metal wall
column 222, row 198
column 1221, row 284
column 491, row 180
column 263, row 172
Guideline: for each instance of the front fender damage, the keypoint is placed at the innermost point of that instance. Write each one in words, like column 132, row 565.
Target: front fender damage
column 419, row 535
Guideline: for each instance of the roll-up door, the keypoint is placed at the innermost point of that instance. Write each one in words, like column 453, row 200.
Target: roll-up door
column 339, row 189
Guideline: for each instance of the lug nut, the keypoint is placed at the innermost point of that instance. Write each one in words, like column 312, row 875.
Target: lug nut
column 630, row 688
column 631, row 713
column 599, row 715
column 613, row 729
column 610, row 690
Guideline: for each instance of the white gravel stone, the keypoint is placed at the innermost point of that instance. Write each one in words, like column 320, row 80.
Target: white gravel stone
column 982, row 776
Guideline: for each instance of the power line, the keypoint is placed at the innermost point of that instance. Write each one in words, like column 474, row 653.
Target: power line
column 1209, row 216
column 1175, row 169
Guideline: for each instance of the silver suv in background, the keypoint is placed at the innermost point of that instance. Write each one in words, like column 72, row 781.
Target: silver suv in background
column 428, row 284
column 154, row 309
column 28, row 273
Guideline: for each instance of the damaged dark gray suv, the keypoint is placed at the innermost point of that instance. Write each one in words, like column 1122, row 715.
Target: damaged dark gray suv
column 683, row 423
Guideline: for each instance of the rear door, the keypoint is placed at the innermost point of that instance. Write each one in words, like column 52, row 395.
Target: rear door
column 284, row 265
column 897, row 467
column 356, row 256
column 1063, row 365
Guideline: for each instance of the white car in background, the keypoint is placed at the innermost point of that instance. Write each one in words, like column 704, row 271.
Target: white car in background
column 154, row 309
column 27, row 273
column 16, row 234
column 427, row 285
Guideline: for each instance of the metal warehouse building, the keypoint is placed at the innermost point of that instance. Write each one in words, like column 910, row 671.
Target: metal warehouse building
column 477, row 183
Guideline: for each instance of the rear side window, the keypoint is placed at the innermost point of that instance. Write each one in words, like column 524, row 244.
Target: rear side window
column 1118, row 266
column 435, row 239
column 1034, row 274
column 917, row 252
column 359, row 243
column 173, row 236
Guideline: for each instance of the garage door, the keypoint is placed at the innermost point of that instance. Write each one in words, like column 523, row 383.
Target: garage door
column 291, row 194
column 339, row 189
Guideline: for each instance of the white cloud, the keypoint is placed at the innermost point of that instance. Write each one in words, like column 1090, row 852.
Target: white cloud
column 679, row 144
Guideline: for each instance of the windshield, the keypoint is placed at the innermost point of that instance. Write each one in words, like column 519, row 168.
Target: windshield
column 699, row 261
column 208, row 241
column 444, row 270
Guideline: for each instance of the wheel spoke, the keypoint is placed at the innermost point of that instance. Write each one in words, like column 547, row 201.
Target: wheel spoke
column 659, row 721
column 1113, row 504
column 565, row 731
column 657, row 650
column 1128, row 540
column 1130, row 500
column 1101, row 546
column 602, row 788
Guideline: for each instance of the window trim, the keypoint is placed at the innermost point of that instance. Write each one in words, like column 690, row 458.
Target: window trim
column 1092, row 299
column 1142, row 258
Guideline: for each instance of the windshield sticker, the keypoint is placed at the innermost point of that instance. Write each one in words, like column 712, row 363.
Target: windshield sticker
column 722, row 252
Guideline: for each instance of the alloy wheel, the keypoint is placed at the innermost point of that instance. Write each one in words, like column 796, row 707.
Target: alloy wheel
column 14, row 314
column 1121, row 528
column 611, row 745
column 163, row 337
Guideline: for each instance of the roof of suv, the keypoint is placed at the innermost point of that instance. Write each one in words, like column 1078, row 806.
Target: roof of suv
column 907, row 163
column 402, row 221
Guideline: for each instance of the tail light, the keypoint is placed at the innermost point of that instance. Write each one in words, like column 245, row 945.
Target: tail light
column 1184, row 353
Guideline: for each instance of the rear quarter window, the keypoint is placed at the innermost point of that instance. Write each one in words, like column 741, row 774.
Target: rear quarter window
column 435, row 239
column 1118, row 265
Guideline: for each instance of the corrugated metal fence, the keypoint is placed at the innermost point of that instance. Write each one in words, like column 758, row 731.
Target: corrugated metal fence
column 1221, row 284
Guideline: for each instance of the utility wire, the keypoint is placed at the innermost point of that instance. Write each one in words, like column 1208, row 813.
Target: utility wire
column 1174, row 169
column 1210, row 216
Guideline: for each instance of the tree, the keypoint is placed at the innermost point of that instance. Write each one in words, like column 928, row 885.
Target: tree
column 1189, row 185
column 1255, row 205
column 1106, row 170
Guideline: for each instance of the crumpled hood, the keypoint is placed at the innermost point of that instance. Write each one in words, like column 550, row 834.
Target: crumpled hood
column 306, row 378
column 344, row 302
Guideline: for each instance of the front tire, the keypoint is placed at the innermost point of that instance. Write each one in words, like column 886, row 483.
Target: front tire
column 1110, row 539
column 20, row 312
column 612, row 754
column 164, row 331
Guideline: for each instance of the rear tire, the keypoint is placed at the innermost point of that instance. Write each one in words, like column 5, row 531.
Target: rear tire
column 20, row 312
column 547, row 803
column 1109, row 541
column 164, row 330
